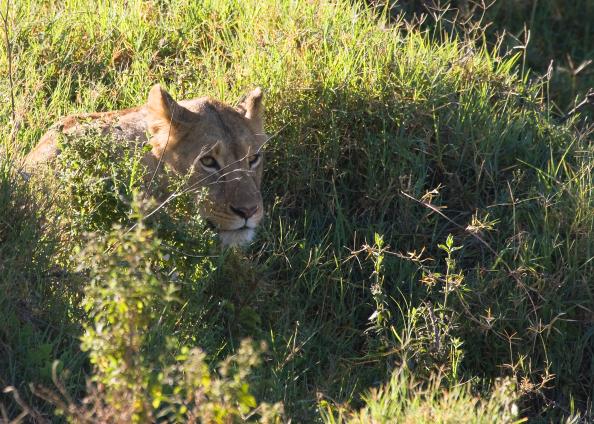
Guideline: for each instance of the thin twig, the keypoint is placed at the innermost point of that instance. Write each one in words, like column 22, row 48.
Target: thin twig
column 588, row 100
column 162, row 155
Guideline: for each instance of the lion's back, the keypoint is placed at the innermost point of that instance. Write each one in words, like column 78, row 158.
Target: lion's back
column 128, row 124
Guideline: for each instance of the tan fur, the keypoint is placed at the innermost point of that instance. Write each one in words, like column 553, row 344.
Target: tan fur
column 183, row 135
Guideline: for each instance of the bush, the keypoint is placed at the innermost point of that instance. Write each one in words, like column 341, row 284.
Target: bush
column 141, row 372
column 99, row 183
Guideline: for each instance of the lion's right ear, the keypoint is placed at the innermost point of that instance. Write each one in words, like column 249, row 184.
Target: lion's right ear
column 162, row 110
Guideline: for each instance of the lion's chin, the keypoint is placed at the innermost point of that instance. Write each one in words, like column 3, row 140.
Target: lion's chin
column 236, row 237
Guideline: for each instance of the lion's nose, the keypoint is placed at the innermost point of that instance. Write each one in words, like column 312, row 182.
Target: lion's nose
column 245, row 212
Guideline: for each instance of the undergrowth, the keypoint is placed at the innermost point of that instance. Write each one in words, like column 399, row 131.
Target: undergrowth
column 142, row 371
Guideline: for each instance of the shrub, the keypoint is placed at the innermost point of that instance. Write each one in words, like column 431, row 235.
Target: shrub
column 141, row 372
column 99, row 183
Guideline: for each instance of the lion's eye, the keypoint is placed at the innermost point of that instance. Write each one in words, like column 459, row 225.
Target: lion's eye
column 209, row 162
column 254, row 159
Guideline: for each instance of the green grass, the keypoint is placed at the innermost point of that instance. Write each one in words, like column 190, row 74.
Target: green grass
column 425, row 212
column 558, row 38
column 404, row 400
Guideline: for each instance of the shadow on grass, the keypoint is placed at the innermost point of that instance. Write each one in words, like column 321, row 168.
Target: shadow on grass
column 37, row 302
column 336, row 176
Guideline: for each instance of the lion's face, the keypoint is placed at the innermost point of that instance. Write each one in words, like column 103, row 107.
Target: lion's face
column 221, row 147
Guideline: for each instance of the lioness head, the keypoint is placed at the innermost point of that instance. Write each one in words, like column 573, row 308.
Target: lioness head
column 221, row 147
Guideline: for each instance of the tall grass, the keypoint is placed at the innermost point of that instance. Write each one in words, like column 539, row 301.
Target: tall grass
column 557, row 38
column 424, row 210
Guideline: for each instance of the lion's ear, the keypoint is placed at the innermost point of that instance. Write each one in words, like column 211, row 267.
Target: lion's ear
column 253, row 108
column 162, row 110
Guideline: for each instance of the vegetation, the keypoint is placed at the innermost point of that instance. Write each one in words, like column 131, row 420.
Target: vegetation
column 558, row 40
column 427, row 252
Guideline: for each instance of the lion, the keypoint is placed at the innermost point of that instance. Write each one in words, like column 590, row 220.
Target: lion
column 219, row 146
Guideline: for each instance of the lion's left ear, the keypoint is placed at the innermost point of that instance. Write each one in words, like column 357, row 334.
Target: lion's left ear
column 252, row 108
